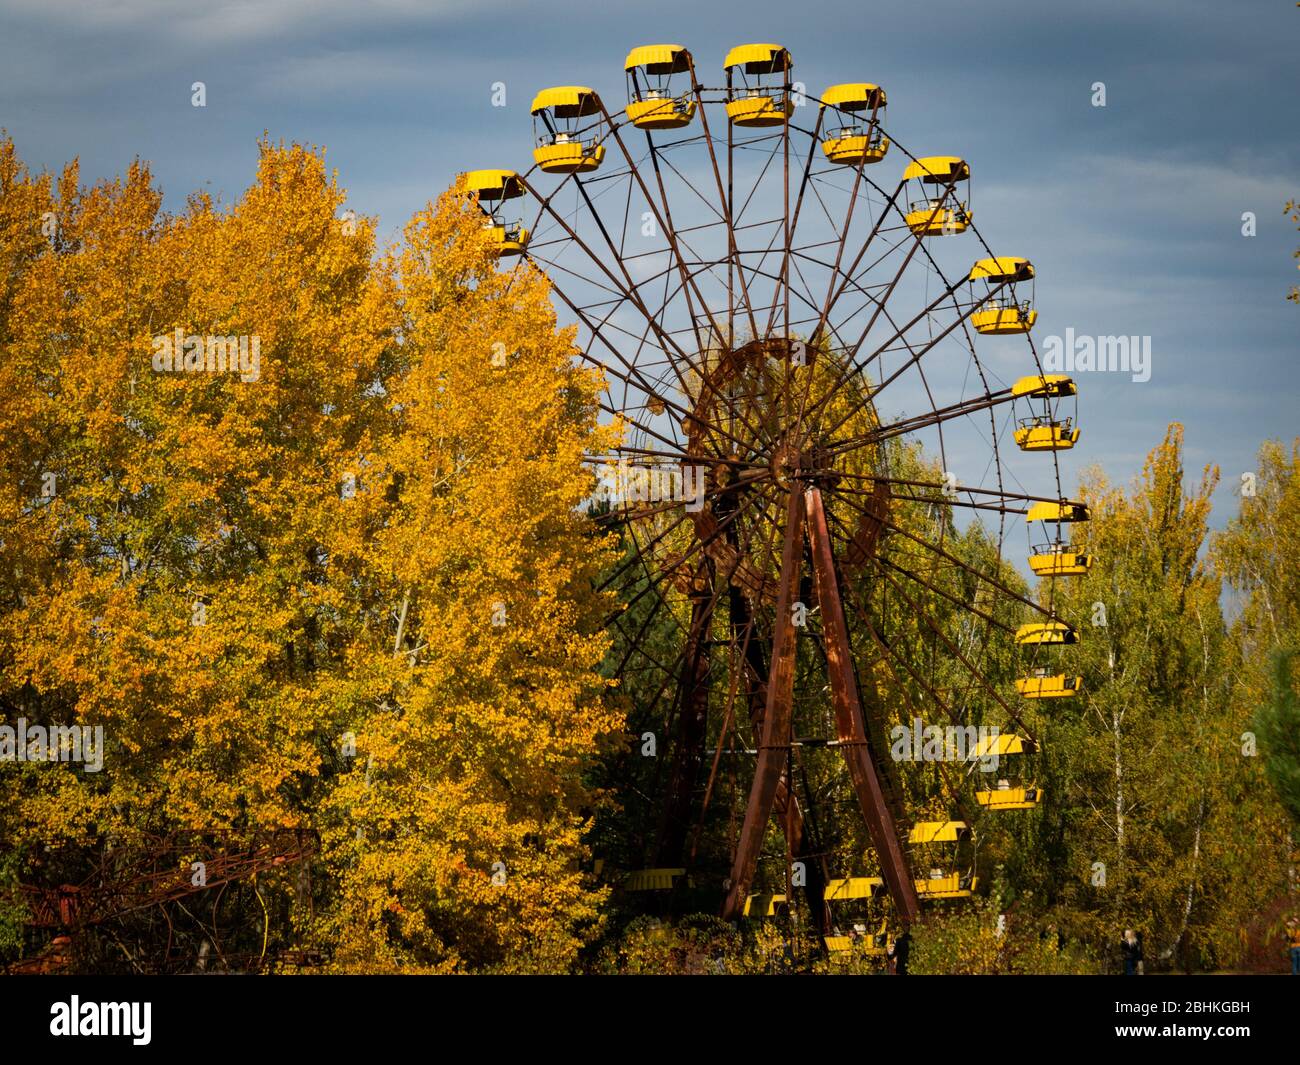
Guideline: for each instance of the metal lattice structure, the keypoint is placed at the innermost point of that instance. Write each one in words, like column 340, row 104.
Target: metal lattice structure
column 797, row 366
column 149, row 874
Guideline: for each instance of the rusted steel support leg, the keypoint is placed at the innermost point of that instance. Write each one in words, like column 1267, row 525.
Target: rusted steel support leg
column 815, row 869
column 786, row 805
column 849, row 721
column 692, row 723
column 774, row 738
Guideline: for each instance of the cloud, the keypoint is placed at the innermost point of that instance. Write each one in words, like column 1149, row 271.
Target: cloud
column 1131, row 213
column 219, row 21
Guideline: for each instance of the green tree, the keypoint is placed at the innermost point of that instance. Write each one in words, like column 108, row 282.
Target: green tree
column 1278, row 723
column 1138, row 765
column 1255, row 557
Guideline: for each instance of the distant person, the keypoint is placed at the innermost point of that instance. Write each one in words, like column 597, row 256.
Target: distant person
column 1293, row 941
column 1131, row 947
column 899, row 951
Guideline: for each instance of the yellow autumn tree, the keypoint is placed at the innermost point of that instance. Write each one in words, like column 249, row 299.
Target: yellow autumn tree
column 259, row 502
column 164, row 564
column 160, row 522
column 460, row 827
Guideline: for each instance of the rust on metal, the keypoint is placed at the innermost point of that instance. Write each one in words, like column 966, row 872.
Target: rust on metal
column 849, row 721
column 775, row 732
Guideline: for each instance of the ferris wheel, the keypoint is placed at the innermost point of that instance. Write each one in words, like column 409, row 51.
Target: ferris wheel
column 833, row 420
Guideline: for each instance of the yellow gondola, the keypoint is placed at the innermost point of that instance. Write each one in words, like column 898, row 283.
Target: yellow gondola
column 1044, row 430
column 1002, row 315
column 860, row 108
column 1066, row 510
column 1051, row 632
column 653, row 101
column 854, row 887
column 942, row 211
column 940, row 884
column 1058, row 559
column 871, row 944
column 492, row 188
column 1042, row 684
column 652, row 879
column 927, row 832
column 1044, row 433
column 569, row 124
column 1055, row 557
column 1008, row 793
column 765, row 905
column 757, row 89
column 848, row 889
column 1046, row 386
column 1001, row 745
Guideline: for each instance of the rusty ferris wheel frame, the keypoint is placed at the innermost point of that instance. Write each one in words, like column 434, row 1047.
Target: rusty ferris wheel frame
column 703, row 331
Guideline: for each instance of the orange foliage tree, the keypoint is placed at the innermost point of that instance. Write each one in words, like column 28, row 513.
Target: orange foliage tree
column 266, row 489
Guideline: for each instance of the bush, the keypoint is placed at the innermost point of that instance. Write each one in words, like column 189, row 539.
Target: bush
column 969, row 943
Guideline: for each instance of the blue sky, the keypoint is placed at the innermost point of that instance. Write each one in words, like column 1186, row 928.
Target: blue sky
column 1131, row 213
